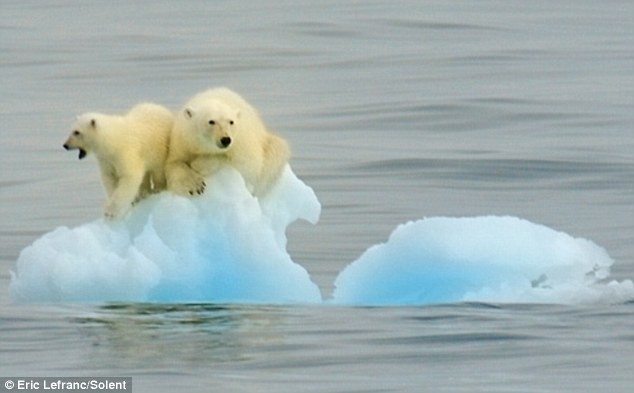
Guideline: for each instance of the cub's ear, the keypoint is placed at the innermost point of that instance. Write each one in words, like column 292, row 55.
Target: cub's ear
column 238, row 114
column 93, row 123
column 189, row 113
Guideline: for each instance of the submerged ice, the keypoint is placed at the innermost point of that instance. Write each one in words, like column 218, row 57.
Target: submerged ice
column 227, row 246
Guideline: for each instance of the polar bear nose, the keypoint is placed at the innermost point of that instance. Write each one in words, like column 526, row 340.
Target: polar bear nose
column 225, row 141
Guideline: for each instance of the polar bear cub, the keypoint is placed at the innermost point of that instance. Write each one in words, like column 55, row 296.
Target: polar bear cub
column 215, row 128
column 131, row 151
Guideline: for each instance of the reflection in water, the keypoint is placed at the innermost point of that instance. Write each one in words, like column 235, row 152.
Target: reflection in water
column 194, row 334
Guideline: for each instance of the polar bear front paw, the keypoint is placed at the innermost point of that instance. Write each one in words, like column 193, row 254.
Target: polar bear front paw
column 191, row 185
column 198, row 189
column 113, row 211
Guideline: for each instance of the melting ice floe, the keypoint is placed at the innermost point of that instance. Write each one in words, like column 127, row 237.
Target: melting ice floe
column 485, row 259
column 226, row 246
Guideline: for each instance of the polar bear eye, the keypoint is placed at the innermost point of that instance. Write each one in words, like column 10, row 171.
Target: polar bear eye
column 76, row 133
column 231, row 122
column 212, row 122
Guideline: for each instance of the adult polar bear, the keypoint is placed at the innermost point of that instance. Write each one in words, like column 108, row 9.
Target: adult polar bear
column 215, row 128
column 131, row 151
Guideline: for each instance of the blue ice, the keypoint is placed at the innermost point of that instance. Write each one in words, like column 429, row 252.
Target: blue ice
column 227, row 246
column 480, row 259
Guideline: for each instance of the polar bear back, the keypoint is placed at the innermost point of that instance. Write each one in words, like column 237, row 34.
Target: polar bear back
column 149, row 125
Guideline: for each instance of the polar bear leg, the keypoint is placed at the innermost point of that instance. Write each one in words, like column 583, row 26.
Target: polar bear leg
column 108, row 179
column 158, row 182
column 145, row 189
column 182, row 179
column 276, row 154
column 124, row 195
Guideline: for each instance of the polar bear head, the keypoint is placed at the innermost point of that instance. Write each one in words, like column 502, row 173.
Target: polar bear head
column 213, row 124
column 83, row 134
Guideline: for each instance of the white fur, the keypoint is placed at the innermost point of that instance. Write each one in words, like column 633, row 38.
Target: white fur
column 131, row 151
column 199, row 148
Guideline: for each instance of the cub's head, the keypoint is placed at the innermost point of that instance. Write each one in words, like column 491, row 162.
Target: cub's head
column 83, row 134
column 214, row 125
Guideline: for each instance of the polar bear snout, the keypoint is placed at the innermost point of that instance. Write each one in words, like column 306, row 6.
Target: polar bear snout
column 225, row 141
column 69, row 146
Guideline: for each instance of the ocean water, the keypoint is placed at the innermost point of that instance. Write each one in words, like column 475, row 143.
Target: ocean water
column 395, row 111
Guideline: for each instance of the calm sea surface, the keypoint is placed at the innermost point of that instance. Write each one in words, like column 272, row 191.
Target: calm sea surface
column 395, row 111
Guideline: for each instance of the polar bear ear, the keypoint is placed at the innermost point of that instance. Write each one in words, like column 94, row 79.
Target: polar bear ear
column 93, row 123
column 189, row 113
column 238, row 114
